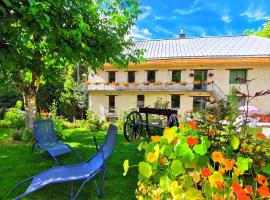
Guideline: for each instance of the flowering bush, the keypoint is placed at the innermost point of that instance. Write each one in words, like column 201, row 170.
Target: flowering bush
column 192, row 163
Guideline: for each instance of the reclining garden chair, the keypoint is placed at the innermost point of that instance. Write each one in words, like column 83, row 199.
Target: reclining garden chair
column 79, row 172
column 46, row 140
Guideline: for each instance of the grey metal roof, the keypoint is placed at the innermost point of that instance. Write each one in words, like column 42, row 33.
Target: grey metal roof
column 205, row 47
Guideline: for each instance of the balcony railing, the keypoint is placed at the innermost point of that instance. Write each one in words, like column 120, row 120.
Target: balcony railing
column 141, row 87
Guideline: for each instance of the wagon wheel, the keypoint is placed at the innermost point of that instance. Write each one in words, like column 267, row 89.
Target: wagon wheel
column 133, row 130
column 173, row 121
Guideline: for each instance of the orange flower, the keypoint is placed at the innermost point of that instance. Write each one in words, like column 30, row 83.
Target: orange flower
column 236, row 171
column 263, row 191
column 192, row 124
column 151, row 157
column 220, row 185
column 211, row 132
column 229, row 164
column 248, row 190
column 261, row 136
column 218, row 198
column 181, row 126
column 155, row 138
column 175, row 140
column 163, row 160
column 260, row 179
column 217, row 157
column 192, row 141
column 222, row 170
column 205, row 172
column 261, row 164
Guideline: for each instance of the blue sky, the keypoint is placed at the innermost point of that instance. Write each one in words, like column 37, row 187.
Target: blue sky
column 199, row 18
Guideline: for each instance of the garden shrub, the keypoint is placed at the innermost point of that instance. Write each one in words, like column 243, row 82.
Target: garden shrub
column 15, row 118
column 28, row 135
column 5, row 124
column 25, row 135
column 93, row 121
column 191, row 162
column 16, row 134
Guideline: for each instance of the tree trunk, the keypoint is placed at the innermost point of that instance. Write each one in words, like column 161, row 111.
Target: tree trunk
column 30, row 105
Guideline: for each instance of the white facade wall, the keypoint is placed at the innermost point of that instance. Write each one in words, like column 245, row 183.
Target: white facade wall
column 124, row 100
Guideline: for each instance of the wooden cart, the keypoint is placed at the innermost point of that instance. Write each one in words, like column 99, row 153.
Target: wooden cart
column 134, row 123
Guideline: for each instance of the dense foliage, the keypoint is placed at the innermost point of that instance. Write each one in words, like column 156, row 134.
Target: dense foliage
column 192, row 163
column 39, row 38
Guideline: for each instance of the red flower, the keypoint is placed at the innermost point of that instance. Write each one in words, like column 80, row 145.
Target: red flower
column 261, row 164
column 192, row 141
column 260, row 179
column 263, row 191
column 261, row 136
column 175, row 140
column 220, row 185
column 239, row 192
column 206, row 172
column 244, row 150
column 248, row 190
column 192, row 124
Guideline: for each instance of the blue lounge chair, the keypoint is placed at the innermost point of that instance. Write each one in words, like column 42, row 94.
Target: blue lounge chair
column 46, row 140
column 80, row 172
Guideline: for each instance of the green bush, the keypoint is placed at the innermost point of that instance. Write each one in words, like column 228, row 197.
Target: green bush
column 93, row 122
column 27, row 135
column 16, row 134
column 15, row 118
column 5, row 124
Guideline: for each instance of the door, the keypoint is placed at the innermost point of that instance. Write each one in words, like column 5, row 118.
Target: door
column 200, row 77
column 111, row 104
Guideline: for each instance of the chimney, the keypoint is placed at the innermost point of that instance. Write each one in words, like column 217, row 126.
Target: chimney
column 182, row 34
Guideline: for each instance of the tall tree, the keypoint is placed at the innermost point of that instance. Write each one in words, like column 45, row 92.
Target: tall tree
column 38, row 38
column 265, row 32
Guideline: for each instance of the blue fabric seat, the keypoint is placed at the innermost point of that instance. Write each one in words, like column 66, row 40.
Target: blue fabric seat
column 46, row 140
column 79, row 172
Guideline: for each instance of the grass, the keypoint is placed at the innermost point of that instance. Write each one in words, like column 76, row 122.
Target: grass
column 17, row 163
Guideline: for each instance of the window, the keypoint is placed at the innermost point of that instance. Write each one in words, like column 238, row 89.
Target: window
column 237, row 73
column 175, row 101
column 199, row 104
column 131, row 77
column 111, row 77
column 111, row 104
column 140, row 101
column 151, row 76
column 176, row 76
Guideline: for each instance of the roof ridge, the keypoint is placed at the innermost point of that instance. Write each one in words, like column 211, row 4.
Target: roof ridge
column 225, row 36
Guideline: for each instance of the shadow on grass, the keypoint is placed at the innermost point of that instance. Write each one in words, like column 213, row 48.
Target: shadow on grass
column 18, row 163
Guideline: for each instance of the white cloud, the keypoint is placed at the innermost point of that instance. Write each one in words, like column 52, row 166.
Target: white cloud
column 255, row 13
column 146, row 11
column 159, row 17
column 226, row 18
column 193, row 8
column 138, row 33
column 160, row 29
column 195, row 30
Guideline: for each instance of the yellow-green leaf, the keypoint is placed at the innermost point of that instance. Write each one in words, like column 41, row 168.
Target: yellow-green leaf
column 164, row 182
column 193, row 194
column 176, row 168
column 145, row 169
column 126, row 167
column 235, row 142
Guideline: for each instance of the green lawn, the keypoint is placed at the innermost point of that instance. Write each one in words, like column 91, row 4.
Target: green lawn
column 17, row 163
